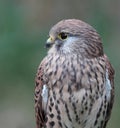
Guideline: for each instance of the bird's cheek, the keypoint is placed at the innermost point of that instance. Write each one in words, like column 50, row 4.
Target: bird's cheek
column 59, row 43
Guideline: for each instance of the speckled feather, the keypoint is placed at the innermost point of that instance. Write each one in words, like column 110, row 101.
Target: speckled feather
column 76, row 82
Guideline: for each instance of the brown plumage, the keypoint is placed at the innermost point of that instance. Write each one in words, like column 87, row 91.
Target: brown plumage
column 75, row 81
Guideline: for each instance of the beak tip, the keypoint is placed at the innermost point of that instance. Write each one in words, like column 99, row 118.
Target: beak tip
column 47, row 45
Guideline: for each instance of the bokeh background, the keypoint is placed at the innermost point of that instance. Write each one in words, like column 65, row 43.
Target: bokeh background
column 24, row 26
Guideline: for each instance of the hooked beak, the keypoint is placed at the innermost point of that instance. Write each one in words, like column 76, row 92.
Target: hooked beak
column 50, row 42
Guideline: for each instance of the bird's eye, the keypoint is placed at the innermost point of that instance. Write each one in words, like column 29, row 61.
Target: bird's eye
column 62, row 36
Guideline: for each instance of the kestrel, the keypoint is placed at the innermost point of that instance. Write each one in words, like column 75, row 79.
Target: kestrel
column 75, row 81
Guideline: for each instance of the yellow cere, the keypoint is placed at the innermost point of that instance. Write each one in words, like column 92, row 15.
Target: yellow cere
column 50, row 39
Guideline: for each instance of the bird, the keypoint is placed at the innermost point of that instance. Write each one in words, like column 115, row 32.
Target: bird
column 74, row 84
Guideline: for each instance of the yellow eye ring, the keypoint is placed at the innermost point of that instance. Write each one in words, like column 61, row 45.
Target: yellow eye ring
column 62, row 36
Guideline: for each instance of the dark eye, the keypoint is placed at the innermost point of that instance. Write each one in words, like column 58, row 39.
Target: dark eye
column 63, row 36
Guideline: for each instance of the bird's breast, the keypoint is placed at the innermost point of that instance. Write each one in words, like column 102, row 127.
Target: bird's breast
column 74, row 72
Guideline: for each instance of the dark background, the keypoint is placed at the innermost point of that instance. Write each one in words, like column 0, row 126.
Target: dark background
column 24, row 27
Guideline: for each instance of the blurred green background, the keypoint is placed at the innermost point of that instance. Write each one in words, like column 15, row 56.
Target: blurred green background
column 24, row 26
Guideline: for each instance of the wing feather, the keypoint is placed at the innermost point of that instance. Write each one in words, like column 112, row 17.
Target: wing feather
column 39, row 111
column 111, row 73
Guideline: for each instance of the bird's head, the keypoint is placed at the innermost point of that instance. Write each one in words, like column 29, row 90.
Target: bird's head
column 74, row 37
